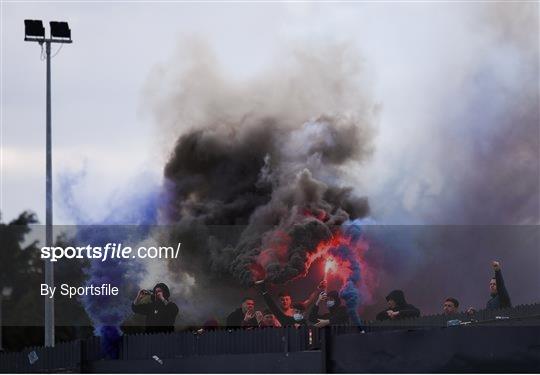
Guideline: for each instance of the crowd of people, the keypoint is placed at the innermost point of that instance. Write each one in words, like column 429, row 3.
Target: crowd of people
column 160, row 313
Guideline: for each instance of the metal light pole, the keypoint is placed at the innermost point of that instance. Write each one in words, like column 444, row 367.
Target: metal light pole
column 60, row 33
column 4, row 293
column 49, row 268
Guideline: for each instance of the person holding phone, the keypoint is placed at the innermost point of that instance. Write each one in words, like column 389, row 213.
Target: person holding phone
column 337, row 313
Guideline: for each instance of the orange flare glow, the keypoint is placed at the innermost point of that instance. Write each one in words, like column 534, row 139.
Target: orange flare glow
column 329, row 266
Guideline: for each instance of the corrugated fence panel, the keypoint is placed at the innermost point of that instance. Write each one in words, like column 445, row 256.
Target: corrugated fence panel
column 213, row 342
column 68, row 356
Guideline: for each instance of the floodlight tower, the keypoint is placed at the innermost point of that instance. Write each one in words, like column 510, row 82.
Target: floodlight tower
column 60, row 33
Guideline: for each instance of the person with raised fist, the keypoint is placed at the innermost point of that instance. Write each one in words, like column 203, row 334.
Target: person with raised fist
column 497, row 290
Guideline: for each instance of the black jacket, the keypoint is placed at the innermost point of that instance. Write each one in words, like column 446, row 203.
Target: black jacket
column 405, row 310
column 159, row 317
column 236, row 319
column 500, row 300
column 337, row 314
column 285, row 320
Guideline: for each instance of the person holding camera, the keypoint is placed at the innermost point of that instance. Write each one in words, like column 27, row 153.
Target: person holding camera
column 154, row 304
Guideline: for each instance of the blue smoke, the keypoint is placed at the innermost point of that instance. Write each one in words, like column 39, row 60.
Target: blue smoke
column 128, row 222
column 349, row 292
column 108, row 312
column 67, row 181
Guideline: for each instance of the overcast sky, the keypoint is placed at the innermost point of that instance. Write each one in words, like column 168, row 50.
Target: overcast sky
column 420, row 58
column 456, row 86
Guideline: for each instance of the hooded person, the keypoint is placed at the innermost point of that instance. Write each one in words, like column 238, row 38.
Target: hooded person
column 160, row 313
column 398, row 308
column 337, row 313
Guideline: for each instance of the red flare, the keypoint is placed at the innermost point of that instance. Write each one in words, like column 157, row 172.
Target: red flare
column 330, row 266
column 275, row 251
column 340, row 268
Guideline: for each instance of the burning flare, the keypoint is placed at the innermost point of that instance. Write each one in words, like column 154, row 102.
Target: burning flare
column 329, row 266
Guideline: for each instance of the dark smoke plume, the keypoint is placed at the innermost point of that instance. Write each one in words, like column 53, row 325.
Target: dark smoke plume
column 257, row 181
column 281, row 184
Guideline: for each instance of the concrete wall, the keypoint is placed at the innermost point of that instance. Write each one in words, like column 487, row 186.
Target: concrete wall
column 453, row 349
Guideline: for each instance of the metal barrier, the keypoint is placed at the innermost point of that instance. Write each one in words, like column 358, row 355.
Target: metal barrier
column 72, row 356
column 440, row 320
column 64, row 357
column 218, row 341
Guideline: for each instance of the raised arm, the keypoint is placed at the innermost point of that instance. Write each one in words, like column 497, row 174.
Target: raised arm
column 140, row 308
column 281, row 317
column 314, row 295
column 501, row 288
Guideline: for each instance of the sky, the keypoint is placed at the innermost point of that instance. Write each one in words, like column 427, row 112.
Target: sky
column 455, row 86
column 419, row 58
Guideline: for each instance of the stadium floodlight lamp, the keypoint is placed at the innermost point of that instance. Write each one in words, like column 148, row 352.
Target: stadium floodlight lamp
column 60, row 30
column 34, row 30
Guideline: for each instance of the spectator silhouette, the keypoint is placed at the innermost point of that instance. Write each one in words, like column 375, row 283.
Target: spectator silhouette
column 499, row 295
column 337, row 313
column 398, row 308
